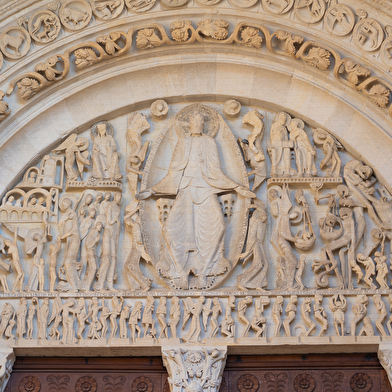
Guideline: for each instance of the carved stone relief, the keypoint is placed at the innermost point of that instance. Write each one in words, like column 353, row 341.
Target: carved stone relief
column 75, row 14
column 44, row 26
column 130, row 233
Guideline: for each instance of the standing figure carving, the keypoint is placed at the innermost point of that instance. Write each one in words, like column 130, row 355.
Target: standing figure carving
column 137, row 124
column 359, row 311
column 228, row 324
column 280, row 147
column 194, row 229
column 291, row 311
column 281, row 238
column 104, row 155
column 277, row 310
column 252, row 148
column 194, row 310
column 175, row 316
column 132, row 270
column 107, row 270
column 255, row 277
column 338, row 305
column 305, row 153
column 320, row 314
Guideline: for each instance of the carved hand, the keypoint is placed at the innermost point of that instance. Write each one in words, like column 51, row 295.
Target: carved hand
column 245, row 192
column 144, row 194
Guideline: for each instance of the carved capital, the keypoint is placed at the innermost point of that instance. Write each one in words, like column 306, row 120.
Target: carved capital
column 385, row 357
column 7, row 360
column 194, row 368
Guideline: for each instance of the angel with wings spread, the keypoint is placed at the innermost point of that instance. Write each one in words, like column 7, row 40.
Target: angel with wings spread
column 195, row 310
column 75, row 151
column 137, row 124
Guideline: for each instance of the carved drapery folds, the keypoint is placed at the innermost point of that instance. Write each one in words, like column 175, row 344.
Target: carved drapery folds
column 194, row 368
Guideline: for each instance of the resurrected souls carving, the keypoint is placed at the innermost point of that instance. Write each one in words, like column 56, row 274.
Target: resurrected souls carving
column 112, row 212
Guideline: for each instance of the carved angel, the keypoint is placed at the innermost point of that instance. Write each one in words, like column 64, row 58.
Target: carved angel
column 252, row 149
column 75, row 151
column 137, row 124
column 330, row 147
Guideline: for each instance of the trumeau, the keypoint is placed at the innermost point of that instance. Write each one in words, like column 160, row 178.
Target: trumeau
column 196, row 181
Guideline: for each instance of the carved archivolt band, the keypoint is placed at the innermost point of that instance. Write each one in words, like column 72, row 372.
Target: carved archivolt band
column 251, row 35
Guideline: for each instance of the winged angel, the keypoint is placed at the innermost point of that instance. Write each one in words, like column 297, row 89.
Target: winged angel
column 137, row 124
column 252, row 149
column 75, row 151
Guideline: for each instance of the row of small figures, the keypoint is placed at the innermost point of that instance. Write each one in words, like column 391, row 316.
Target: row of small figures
column 202, row 312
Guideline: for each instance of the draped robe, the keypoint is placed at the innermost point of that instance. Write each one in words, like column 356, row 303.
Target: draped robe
column 194, row 229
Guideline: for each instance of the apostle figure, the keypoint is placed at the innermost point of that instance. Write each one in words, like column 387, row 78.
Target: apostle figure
column 104, row 155
column 194, row 230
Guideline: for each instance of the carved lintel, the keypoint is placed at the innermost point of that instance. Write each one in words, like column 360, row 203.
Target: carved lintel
column 7, row 360
column 194, row 368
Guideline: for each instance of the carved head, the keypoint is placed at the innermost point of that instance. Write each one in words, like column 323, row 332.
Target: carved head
column 11, row 199
column 117, row 197
column 280, row 118
column 343, row 191
column 99, row 197
column 83, row 211
column 98, row 225
column 364, row 171
column 91, row 212
column 33, row 201
column 202, row 299
column 175, row 300
column 41, row 201
column 294, row 299
column 108, row 196
column 89, row 199
column 65, row 204
column 101, row 129
column 196, row 124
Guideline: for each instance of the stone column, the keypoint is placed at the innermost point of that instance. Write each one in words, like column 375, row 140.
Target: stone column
column 385, row 357
column 194, row 368
column 7, row 360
